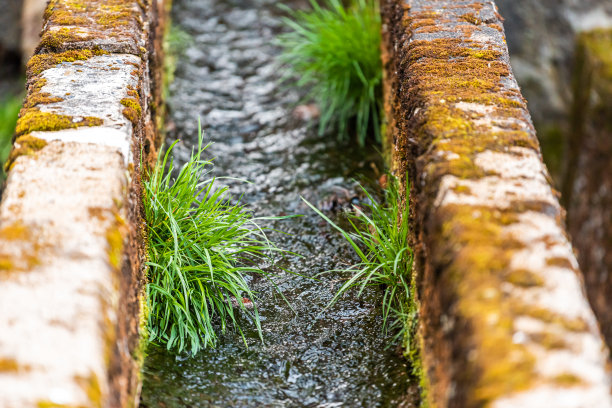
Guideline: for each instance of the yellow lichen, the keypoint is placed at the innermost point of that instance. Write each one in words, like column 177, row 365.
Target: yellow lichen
column 480, row 256
column 33, row 119
column 23, row 254
column 560, row 262
column 524, row 278
column 91, row 387
column 14, row 231
column 37, row 97
column 471, row 18
column 576, row 324
column 115, row 246
column 41, row 62
column 53, row 40
column 8, row 365
column 25, row 145
column 568, row 380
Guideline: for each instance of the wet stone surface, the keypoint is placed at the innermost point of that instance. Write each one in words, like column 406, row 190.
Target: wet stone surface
column 309, row 357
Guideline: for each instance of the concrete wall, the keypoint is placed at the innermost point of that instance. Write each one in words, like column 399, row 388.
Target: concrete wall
column 70, row 216
column 504, row 320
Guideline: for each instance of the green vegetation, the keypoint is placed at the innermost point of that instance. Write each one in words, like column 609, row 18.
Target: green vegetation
column 9, row 109
column 380, row 240
column 335, row 51
column 176, row 42
column 200, row 246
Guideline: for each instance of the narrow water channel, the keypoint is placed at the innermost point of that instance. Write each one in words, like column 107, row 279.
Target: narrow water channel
column 309, row 358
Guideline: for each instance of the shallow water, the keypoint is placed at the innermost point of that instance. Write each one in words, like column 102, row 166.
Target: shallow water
column 310, row 357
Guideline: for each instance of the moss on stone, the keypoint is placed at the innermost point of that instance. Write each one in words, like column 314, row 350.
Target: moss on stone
column 22, row 260
column 41, row 62
column 548, row 316
column 37, row 97
column 108, row 15
column 560, row 262
column 524, row 278
column 91, row 386
column 460, row 189
column 598, row 44
column 481, row 257
column 114, row 239
column 51, row 404
column 567, row 380
column 33, row 119
column 25, row 145
column 15, row 231
column 549, row 340
column 471, row 18
column 8, row 365
column 54, row 40
column 132, row 110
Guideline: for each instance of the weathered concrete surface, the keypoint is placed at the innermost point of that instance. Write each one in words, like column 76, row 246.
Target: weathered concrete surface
column 70, row 219
column 542, row 37
column 504, row 321
column 588, row 186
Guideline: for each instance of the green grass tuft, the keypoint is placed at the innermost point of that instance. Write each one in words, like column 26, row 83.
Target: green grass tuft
column 380, row 240
column 335, row 50
column 201, row 246
column 9, row 109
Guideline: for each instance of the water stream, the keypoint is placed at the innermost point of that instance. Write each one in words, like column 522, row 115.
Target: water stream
column 309, row 358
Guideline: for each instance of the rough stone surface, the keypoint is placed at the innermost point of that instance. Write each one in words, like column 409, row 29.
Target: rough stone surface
column 71, row 243
column 504, row 321
column 60, row 300
column 588, row 187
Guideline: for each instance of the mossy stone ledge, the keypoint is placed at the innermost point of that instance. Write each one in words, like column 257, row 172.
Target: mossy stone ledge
column 503, row 317
column 71, row 236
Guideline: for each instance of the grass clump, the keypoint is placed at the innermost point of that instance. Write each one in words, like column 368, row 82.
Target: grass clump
column 201, row 246
column 9, row 110
column 335, row 51
column 379, row 237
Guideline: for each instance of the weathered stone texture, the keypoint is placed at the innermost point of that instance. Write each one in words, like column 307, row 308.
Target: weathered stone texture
column 71, row 243
column 504, row 321
column 588, row 186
